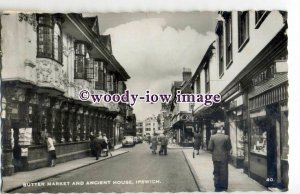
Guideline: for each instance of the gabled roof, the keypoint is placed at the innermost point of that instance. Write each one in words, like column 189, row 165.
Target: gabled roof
column 92, row 23
column 204, row 60
column 106, row 40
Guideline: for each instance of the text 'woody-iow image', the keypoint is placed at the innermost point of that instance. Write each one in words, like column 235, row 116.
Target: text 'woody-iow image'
column 144, row 102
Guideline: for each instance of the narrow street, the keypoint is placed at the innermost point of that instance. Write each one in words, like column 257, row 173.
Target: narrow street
column 126, row 173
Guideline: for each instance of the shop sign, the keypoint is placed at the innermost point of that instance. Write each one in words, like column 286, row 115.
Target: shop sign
column 264, row 75
column 258, row 113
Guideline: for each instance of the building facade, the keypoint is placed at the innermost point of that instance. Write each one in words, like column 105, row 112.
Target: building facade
column 139, row 128
column 47, row 60
column 182, row 123
column 247, row 65
column 151, row 126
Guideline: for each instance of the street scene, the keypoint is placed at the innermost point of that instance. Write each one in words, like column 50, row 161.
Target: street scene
column 144, row 102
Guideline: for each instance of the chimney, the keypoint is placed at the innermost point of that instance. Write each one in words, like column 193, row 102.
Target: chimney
column 186, row 74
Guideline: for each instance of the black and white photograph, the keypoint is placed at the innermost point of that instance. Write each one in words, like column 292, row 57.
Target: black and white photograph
column 171, row 101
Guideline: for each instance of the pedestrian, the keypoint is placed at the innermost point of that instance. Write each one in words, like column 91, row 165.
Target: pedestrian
column 220, row 145
column 51, row 150
column 197, row 142
column 154, row 142
column 105, row 144
column 163, row 144
column 92, row 147
column 98, row 143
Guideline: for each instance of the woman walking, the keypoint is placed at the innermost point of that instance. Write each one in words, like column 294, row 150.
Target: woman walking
column 154, row 142
column 197, row 143
column 51, row 151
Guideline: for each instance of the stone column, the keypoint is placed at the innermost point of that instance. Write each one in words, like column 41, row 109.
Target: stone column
column 86, row 128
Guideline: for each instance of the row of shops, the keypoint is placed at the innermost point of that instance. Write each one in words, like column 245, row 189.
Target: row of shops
column 254, row 110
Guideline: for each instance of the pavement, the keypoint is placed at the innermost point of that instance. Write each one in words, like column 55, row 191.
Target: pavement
column 17, row 180
column 202, row 169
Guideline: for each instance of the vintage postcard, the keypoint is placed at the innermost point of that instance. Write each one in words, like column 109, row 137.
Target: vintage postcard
column 181, row 101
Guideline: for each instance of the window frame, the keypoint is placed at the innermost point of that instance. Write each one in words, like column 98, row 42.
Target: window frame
column 207, row 78
column 220, row 33
column 228, row 39
column 259, row 19
column 51, row 26
column 84, row 59
column 243, row 34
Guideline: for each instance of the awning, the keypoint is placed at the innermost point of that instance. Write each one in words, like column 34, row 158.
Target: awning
column 270, row 84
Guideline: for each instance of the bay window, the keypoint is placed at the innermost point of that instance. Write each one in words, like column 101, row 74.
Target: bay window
column 49, row 37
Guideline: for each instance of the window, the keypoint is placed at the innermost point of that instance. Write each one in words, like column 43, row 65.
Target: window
column 221, row 48
column 57, row 43
column 90, row 69
column 108, row 82
column 207, row 79
column 228, row 34
column 80, row 60
column 198, row 85
column 99, row 80
column 260, row 16
column 49, row 41
column 243, row 28
column 259, row 126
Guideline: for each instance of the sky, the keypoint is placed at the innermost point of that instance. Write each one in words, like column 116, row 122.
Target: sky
column 155, row 47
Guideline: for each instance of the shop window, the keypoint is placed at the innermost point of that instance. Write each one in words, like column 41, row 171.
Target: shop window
column 49, row 37
column 243, row 29
column 236, row 132
column 284, row 131
column 259, row 126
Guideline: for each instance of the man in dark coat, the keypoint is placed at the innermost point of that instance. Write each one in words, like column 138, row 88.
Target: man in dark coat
column 197, row 141
column 220, row 145
column 163, row 145
column 98, row 141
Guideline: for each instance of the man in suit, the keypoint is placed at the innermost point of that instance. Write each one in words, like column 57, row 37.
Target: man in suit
column 220, row 146
column 164, row 143
column 98, row 141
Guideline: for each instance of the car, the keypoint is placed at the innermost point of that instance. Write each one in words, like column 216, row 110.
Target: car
column 128, row 141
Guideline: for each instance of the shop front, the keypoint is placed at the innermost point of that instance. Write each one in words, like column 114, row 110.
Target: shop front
column 29, row 113
column 235, row 123
column 184, row 128
column 269, row 132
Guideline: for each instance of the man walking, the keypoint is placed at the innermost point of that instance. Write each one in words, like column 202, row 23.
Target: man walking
column 98, row 141
column 164, row 142
column 220, row 145
column 197, row 142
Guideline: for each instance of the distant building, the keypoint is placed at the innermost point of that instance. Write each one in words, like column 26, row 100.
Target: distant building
column 139, row 128
column 151, row 126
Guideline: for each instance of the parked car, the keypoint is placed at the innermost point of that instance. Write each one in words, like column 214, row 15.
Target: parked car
column 128, row 141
